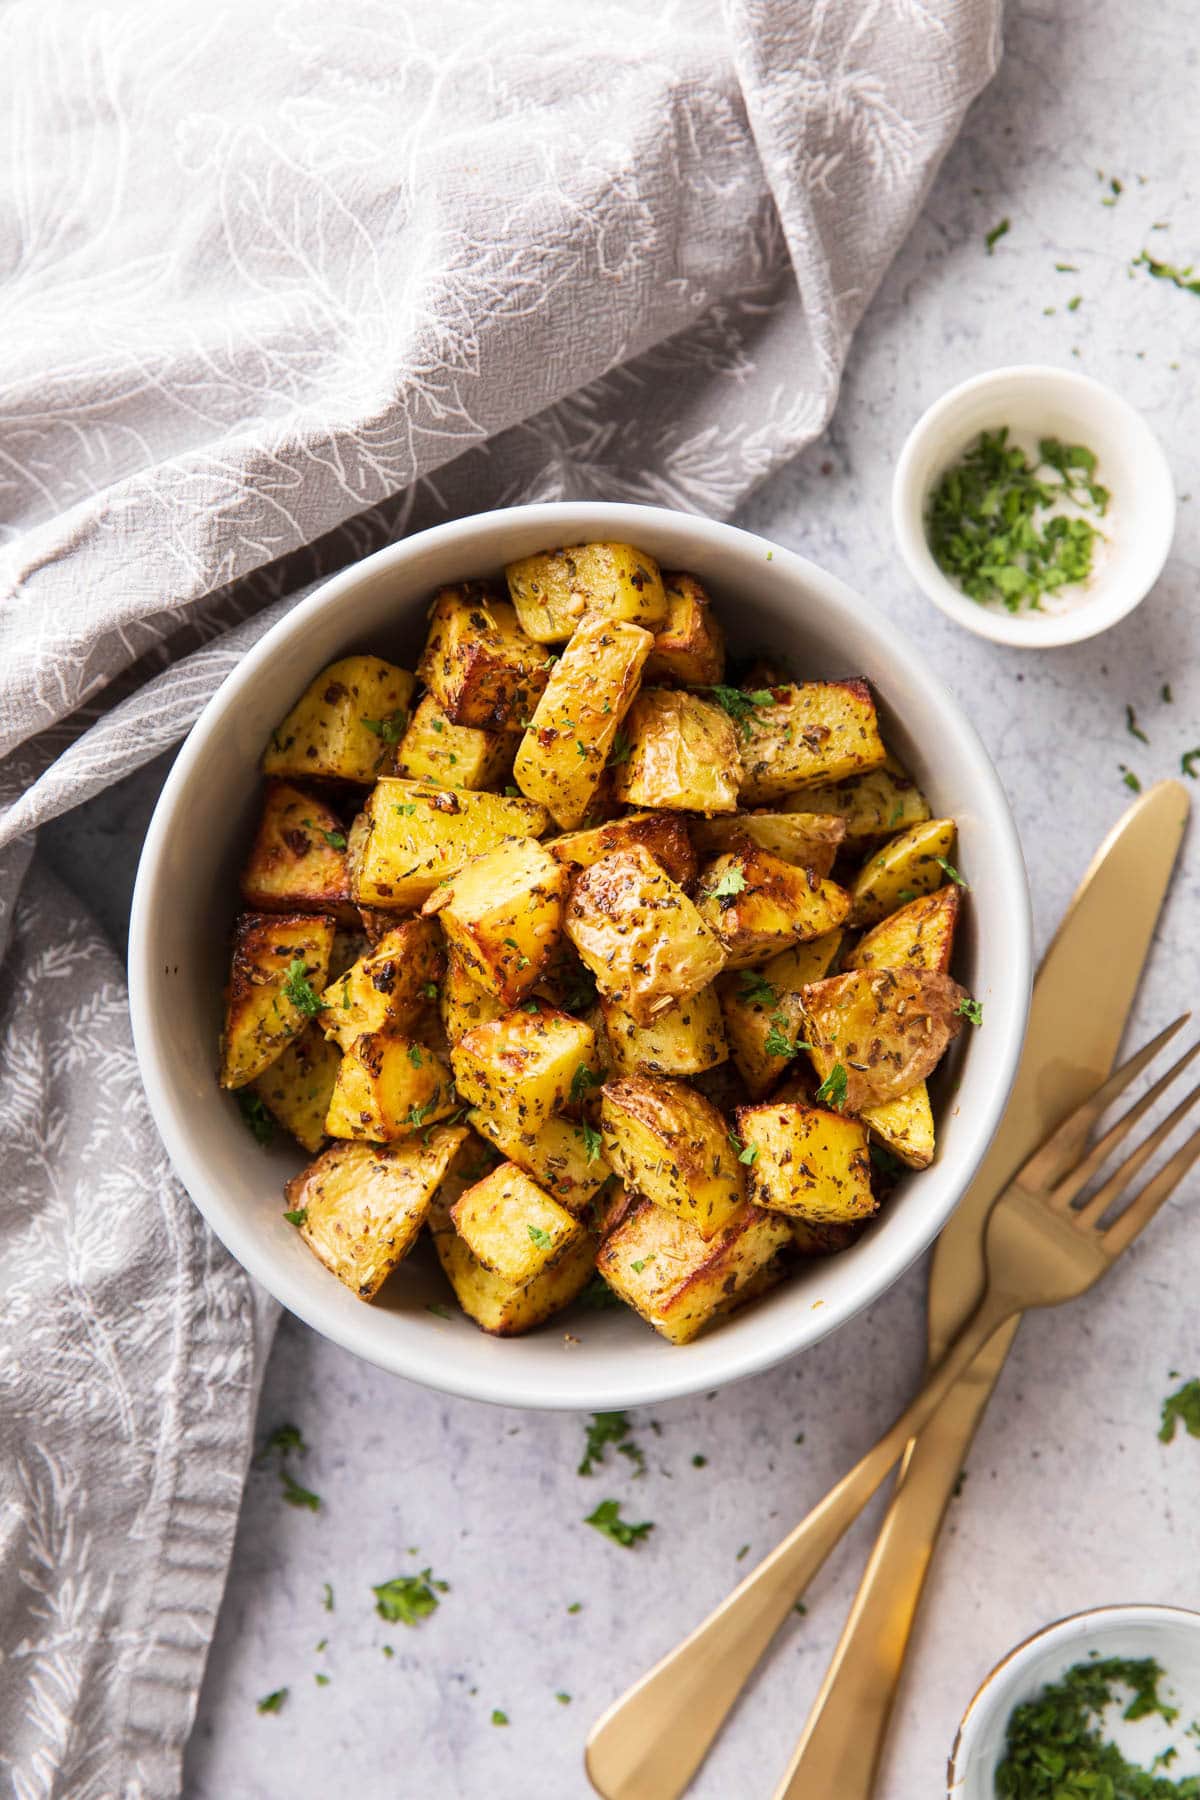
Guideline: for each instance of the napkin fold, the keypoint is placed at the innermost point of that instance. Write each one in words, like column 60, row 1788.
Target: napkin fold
column 284, row 283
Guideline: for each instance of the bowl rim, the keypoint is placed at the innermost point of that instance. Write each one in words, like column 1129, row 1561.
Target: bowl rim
column 1014, row 630
column 647, row 1383
column 1077, row 1625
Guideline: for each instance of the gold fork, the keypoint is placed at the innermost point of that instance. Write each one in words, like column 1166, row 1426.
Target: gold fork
column 1040, row 1250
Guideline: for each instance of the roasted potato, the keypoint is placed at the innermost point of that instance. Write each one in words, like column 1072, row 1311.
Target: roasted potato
column 681, row 1041
column 362, row 1206
column 388, row 1087
column 811, row 1239
column 762, row 1012
column 389, row 988
column 526, row 1065
column 505, row 1308
column 757, row 905
column 556, row 589
column 883, row 801
column 918, row 936
column 807, row 1163
column 639, row 934
column 689, row 647
column 814, row 732
column 462, row 1003
column 564, row 1158
column 679, row 1280
column 410, row 836
column 668, row 1142
column 459, row 756
column 810, row 840
column 885, row 1030
column 682, row 754
column 562, row 757
column 276, row 975
column 343, row 726
column 296, row 1088
column 664, row 835
column 503, row 915
column 477, row 663
column 511, row 1226
column 297, row 862
column 904, row 1126
column 911, row 864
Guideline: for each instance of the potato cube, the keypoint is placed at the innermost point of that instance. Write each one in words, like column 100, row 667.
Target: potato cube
column 762, row 1012
column 477, row 663
column 526, row 1065
column 918, row 936
column 511, row 1226
column 875, row 1033
column 503, row 913
column 904, row 1126
column 564, row 1158
column 345, row 723
column 758, row 905
column 826, row 1239
column 683, row 754
column 505, row 1308
column 807, row 1163
column 562, row 756
column 666, row 838
column 411, row 836
column 639, row 934
column 669, row 1143
column 296, row 1089
column 911, row 864
column 689, row 648
column 387, row 1088
column 678, row 1280
column 276, row 975
column 554, row 590
column 388, row 989
column 457, row 756
column 681, row 1041
column 363, row 1205
column 811, row 840
column 810, row 733
column 462, row 1003
column 297, row 862
column 883, row 801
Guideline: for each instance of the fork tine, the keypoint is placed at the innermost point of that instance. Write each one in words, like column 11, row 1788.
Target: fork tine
column 1139, row 1212
column 1077, row 1179
column 1045, row 1165
column 1119, row 1180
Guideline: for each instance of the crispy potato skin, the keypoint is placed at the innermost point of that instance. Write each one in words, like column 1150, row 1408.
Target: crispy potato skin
column 411, row 836
column 917, row 936
column 524, row 1064
column 810, row 1164
column 762, row 1007
column 776, row 905
column 639, row 934
column 297, row 862
column 503, row 1308
column 877, row 804
column 681, row 1041
column 260, row 1019
column 689, row 647
column 297, row 1087
column 388, row 1087
column 905, row 1126
column 477, row 663
column 814, row 732
column 683, row 754
column 678, row 1280
column 670, row 1144
column 887, row 1029
column 561, row 760
column 341, row 726
column 556, row 1156
column 503, row 915
column 810, row 840
column 665, row 836
column 385, row 990
column 459, row 756
column 908, row 865
column 556, row 589
column 366, row 1203
column 511, row 1226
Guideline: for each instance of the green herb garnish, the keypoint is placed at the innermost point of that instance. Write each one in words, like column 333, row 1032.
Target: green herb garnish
column 522, row 960
column 1188, row 761
column 1055, row 1748
column 1181, row 1408
column 730, row 884
column 541, row 1240
column 390, row 729
column 745, row 1153
column 592, row 1143
column 620, row 749
column 498, row 1717
column 407, row 1599
column 255, row 1116
column 327, row 1600
column 742, row 707
column 1187, row 279
column 968, row 1008
column 607, row 1518
column 992, row 238
column 597, row 1296
column 832, row 1091
column 756, row 990
column 295, row 1495
column 335, row 839
column 1132, row 726
column 272, row 1703
column 300, row 991
column 299, row 1217
column 282, row 1441
column 1130, row 779
column 583, row 1079
column 777, row 1043
column 951, row 872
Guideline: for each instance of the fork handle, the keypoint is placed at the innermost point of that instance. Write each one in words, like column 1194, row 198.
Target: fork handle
column 650, row 1743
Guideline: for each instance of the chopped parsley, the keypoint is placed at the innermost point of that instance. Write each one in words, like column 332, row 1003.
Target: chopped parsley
column 832, row 1091
column 1132, row 726
column 607, row 1518
column 299, row 1217
column 272, row 1703
column 592, row 1143
column 295, row 1495
column 745, row 1153
column 597, row 1296
column 282, row 1441
column 609, row 1428
column 1181, row 1408
column 992, row 238
column 756, row 990
column 522, row 960
column 699, row 1462
column 541, row 1240
column 731, row 883
column 255, row 1116
column 1187, row 279
column 621, row 749
column 407, row 1599
column 391, row 728
column 776, row 1042
column 742, row 707
column 327, row 1600
column 951, row 872
column 1188, row 761
column 430, row 990
column 970, row 1009
column 563, row 1699
column 1166, row 694
column 335, row 839
column 407, row 810
column 498, row 1717
column 417, row 1115
column 1055, row 1749
column 581, row 747
column 575, row 1606
column 300, row 991
column 1130, row 779
column 583, row 1079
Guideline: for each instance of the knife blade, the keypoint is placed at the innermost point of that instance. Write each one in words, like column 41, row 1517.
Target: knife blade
column 1082, row 998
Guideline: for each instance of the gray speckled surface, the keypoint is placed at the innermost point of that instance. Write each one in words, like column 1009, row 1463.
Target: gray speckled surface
column 1070, row 1500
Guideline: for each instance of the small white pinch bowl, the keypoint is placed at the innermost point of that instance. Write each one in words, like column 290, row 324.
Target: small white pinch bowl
column 1042, row 401
column 1168, row 1634
column 186, row 899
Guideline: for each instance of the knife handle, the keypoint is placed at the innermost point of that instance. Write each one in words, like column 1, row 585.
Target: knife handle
column 844, row 1736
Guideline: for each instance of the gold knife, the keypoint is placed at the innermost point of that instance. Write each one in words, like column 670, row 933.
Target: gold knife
column 1082, row 997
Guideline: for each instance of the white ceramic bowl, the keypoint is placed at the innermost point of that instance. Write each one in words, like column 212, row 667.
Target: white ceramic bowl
column 1166, row 1633
column 1044, row 402
column 186, row 896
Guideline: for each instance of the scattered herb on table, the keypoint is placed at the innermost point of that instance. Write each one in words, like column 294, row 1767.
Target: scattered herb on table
column 295, row 1495
column 563, row 1699
column 282, row 1441
column 609, row 1428
column 1074, row 303
column 498, row 1717
column 327, row 1600
column 1167, row 695
column 1132, row 726
column 1130, row 779
column 1187, row 279
column 1181, row 1408
column 272, row 1703
column 255, row 1116
column 321, row 1680
column 407, row 1599
column 300, row 991
column 992, row 238
column 699, row 1462
column 1067, row 268
column 607, row 1518
column 1188, row 761
column 575, row 1606
column 1055, row 1749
